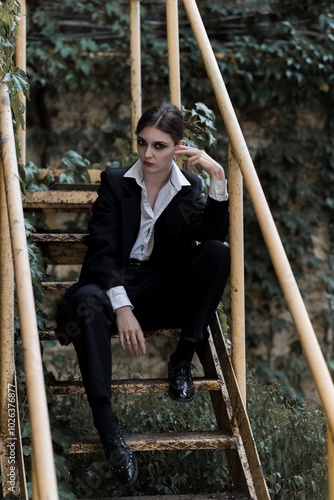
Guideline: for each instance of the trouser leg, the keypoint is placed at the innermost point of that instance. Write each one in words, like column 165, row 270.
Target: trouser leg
column 186, row 295
column 92, row 321
column 209, row 271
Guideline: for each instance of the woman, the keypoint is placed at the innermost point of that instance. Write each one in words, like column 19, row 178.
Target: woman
column 142, row 270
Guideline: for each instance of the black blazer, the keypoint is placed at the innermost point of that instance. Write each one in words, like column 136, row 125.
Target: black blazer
column 114, row 225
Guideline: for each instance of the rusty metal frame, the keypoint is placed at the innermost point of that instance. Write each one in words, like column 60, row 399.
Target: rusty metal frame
column 44, row 476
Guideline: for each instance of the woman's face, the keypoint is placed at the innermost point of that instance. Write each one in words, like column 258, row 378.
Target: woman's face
column 156, row 150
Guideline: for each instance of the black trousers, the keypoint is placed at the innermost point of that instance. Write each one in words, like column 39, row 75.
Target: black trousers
column 182, row 294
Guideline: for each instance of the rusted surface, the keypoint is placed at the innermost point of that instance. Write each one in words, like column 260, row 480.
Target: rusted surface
column 162, row 333
column 141, row 386
column 248, row 456
column 159, row 442
column 209, row 496
column 59, row 200
column 61, row 248
column 45, row 476
column 56, row 237
column 57, row 285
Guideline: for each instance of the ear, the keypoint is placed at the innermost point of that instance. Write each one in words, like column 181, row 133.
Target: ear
column 181, row 143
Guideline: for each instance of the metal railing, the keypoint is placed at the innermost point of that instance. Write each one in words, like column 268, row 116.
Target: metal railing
column 15, row 268
column 44, row 478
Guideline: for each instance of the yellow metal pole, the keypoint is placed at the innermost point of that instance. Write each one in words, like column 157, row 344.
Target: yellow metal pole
column 278, row 256
column 135, row 58
column 7, row 367
column 173, row 51
column 20, row 61
column 39, row 418
column 237, row 273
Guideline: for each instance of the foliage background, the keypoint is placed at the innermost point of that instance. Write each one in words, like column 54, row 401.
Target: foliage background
column 277, row 62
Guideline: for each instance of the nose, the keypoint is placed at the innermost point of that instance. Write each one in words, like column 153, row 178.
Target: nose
column 148, row 152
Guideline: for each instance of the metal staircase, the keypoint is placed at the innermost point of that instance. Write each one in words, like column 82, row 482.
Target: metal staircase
column 225, row 384
column 233, row 435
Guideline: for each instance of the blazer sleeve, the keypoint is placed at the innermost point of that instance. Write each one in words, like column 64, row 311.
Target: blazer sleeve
column 205, row 218
column 102, row 263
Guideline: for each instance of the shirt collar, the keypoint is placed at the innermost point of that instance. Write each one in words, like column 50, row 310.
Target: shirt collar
column 176, row 177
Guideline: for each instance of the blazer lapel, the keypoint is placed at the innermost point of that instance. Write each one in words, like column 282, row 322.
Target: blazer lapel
column 130, row 214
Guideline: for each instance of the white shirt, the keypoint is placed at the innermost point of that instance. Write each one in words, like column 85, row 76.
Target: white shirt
column 143, row 246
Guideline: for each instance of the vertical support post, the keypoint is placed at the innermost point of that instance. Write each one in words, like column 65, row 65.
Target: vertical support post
column 21, row 62
column 135, row 59
column 173, row 51
column 39, row 418
column 330, row 449
column 237, row 273
column 6, row 330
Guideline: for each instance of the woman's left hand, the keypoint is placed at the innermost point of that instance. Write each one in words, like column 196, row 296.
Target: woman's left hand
column 200, row 157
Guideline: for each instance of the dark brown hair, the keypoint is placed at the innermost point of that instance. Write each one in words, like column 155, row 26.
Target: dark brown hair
column 165, row 117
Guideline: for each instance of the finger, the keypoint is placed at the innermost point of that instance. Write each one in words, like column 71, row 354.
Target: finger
column 139, row 344
column 142, row 344
column 129, row 344
column 193, row 161
column 186, row 149
column 122, row 343
column 125, row 343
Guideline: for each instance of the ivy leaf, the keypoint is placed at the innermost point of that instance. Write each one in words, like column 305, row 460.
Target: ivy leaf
column 20, row 81
column 18, row 110
column 60, row 438
column 74, row 161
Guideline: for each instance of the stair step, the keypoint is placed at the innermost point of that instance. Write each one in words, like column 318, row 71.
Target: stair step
column 57, row 237
column 161, row 333
column 232, row 495
column 165, row 441
column 59, row 200
column 57, row 285
column 139, row 386
column 61, row 248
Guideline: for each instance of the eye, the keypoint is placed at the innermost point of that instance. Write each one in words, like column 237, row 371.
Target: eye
column 141, row 142
column 159, row 145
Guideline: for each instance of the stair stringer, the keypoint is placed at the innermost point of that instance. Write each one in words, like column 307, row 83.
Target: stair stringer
column 231, row 416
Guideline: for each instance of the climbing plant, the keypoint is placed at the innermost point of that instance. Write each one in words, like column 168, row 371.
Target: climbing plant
column 276, row 59
column 15, row 78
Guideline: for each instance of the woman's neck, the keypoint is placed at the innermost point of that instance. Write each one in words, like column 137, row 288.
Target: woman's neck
column 156, row 181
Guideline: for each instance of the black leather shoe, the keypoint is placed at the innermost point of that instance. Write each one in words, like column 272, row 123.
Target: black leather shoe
column 123, row 463
column 181, row 386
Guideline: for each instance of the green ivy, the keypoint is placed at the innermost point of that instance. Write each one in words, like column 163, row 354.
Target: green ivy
column 276, row 59
column 14, row 77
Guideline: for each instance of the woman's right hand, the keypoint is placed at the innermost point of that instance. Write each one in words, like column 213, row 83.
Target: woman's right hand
column 131, row 337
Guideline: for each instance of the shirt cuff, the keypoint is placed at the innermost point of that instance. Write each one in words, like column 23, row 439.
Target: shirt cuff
column 218, row 190
column 118, row 297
